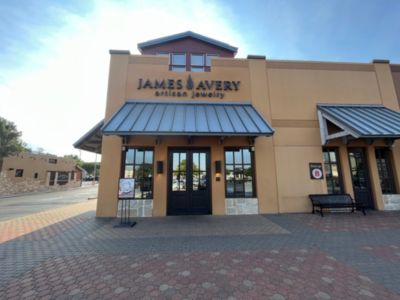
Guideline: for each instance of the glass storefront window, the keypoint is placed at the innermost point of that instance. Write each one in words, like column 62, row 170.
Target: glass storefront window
column 239, row 173
column 332, row 171
column 383, row 162
column 139, row 165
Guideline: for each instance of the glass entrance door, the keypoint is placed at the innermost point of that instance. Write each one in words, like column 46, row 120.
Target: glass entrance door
column 360, row 177
column 189, row 191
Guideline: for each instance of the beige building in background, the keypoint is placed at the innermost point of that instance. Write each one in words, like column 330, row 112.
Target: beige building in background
column 339, row 118
column 27, row 172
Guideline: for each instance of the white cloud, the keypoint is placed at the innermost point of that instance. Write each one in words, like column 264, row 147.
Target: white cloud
column 61, row 92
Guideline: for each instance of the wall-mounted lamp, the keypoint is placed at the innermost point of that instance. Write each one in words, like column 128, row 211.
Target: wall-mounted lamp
column 218, row 170
column 160, row 167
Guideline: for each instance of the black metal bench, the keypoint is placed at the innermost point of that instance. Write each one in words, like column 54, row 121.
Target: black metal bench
column 324, row 201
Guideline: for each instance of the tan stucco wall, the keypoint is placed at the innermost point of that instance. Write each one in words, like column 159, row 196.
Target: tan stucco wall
column 286, row 94
column 35, row 163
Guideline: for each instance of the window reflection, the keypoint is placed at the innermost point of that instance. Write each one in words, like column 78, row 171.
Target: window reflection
column 139, row 165
column 239, row 173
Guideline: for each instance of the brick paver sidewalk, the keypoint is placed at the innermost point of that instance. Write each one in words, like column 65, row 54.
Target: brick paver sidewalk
column 68, row 254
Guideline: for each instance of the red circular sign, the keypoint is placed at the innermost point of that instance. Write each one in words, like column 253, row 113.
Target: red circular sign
column 317, row 173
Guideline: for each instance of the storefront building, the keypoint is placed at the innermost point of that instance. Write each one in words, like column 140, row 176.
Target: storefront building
column 202, row 132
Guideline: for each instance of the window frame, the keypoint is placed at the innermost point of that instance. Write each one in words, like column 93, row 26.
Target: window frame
column 338, row 165
column 133, row 164
column 172, row 65
column 242, row 164
column 387, row 156
column 19, row 173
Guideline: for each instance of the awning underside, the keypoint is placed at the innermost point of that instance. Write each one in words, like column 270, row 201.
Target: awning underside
column 187, row 118
column 92, row 140
column 358, row 121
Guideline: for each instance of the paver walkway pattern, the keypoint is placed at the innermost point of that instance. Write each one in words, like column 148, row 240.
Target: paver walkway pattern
column 66, row 253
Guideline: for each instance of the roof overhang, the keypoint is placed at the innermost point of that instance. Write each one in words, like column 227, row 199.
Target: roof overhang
column 358, row 121
column 92, row 140
column 189, row 118
column 186, row 34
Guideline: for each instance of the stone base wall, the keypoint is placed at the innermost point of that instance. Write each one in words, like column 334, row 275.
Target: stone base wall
column 241, row 206
column 391, row 202
column 138, row 208
column 10, row 188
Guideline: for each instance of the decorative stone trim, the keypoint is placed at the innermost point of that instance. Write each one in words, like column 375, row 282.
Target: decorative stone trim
column 241, row 206
column 10, row 188
column 138, row 208
column 391, row 202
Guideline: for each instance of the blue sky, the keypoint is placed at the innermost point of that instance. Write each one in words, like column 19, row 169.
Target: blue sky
column 54, row 54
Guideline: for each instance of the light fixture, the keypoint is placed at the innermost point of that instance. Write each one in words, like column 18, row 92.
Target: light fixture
column 218, row 170
column 160, row 167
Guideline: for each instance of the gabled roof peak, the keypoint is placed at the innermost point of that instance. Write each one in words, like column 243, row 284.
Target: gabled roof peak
column 186, row 34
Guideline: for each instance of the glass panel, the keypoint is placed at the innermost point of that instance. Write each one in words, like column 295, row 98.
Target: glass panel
column 129, row 156
column 248, row 188
column 239, row 188
column 335, row 172
column 202, row 162
column 138, row 192
column 228, row 157
column 246, row 156
column 195, row 162
column 175, row 181
column 196, row 179
column 326, row 156
column 197, row 69
column 230, row 188
column 182, row 182
column 175, row 162
column 229, row 173
column 248, row 172
column 178, row 59
column 146, row 184
column 128, row 172
column 148, row 157
column 139, row 157
column 332, row 155
column 197, row 59
column 238, row 157
column 138, row 172
column 328, row 172
column 203, row 181
column 178, row 69
column 182, row 163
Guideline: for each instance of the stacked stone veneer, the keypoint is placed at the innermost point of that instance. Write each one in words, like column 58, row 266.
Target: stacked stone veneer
column 391, row 202
column 29, row 185
column 241, row 206
column 138, row 208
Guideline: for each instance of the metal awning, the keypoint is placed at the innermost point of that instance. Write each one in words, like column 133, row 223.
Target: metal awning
column 187, row 118
column 92, row 140
column 368, row 121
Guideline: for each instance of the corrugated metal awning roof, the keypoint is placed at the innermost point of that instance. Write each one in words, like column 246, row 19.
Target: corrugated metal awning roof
column 91, row 141
column 187, row 118
column 360, row 120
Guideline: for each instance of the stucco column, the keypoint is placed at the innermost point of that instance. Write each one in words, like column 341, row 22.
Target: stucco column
column 374, row 177
column 160, row 191
column 346, row 172
column 267, row 191
column 218, row 187
column 107, row 203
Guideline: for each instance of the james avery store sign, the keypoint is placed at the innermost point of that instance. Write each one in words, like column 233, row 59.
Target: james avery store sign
column 188, row 88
